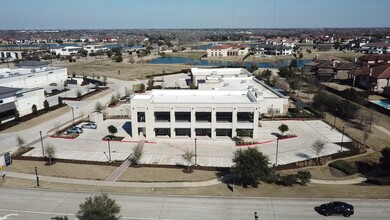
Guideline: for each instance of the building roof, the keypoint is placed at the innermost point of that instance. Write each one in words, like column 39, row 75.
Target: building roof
column 227, row 46
column 379, row 72
column 32, row 63
column 5, row 90
column 197, row 97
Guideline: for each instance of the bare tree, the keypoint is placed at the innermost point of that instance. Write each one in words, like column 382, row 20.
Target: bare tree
column 20, row 141
column 137, row 154
column 50, row 152
column 318, row 146
column 187, row 156
column 98, row 107
column 366, row 134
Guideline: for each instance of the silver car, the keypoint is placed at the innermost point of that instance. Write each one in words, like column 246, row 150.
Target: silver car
column 74, row 130
column 90, row 125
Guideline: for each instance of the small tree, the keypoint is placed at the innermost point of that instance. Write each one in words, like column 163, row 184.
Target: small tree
column 113, row 100
column 60, row 218
column 303, row 177
column 78, row 93
column 118, row 95
column 266, row 74
column 50, row 151
column 283, row 128
column 112, row 130
column 99, row 207
column 366, row 135
column 250, row 166
column 46, row 105
column 98, row 107
column 34, row 110
column 187, row 156
column 318, row 146
column 20, row 141
column 104, row 80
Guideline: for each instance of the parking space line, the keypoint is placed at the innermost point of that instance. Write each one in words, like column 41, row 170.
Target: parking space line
column 81, row 155
column 161, row 159
column 90, row 158
column 173, row 160
column 117, row 155
column 150, row 157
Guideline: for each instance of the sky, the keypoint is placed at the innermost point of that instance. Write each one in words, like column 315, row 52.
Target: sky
column 176, row 14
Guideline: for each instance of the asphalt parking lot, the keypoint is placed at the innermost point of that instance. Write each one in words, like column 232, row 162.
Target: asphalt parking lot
column 219, row 152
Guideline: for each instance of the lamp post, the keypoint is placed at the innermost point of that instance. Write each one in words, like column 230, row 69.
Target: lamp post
column 36, row 175
column 109, row 149
column 195, row 154
column 43, row 151
column 277, row 151
column 72, row 114
column 342, row 140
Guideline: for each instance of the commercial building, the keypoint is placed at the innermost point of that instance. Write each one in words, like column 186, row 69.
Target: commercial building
column 10, row 55
column 228, row 102
column 18, row 101
column 65, row 51
column 32, row 77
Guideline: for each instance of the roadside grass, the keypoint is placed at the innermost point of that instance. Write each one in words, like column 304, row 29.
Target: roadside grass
column 320, row 173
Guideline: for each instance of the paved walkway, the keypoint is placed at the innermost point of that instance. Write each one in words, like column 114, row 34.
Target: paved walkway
column 154, row 184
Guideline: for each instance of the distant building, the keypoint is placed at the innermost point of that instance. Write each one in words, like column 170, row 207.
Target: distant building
column 10, row 55
column 65, row 51
column 224, row 50
column 17, row 101
column 227, row 103
column 94, row 48
column 375, row 48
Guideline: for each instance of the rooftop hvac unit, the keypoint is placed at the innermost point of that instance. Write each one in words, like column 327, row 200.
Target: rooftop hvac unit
column 10, row 74
column 225, row 84
column 1, row 76
column 16, row 74
column 250, row 87
column 244, row 81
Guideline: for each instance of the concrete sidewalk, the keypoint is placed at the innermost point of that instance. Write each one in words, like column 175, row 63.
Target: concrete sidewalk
column 155, row 184
column 111, row 184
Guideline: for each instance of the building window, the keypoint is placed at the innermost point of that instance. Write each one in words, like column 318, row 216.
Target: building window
column 162, row 131
column 224, row 132
column 183, row 116
column 183, row 132
column 162, row 116
column 203, row 116
column 141, row 116
column 224, row 116
column 245, row 116
column 203, row 132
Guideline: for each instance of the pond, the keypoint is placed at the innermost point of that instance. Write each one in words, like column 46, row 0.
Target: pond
column 195, row 62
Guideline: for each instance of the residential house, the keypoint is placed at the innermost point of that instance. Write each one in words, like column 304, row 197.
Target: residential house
column 375, row 48
column 373, row 59
column 375, row 78
column 330, row 69
column 224, row 50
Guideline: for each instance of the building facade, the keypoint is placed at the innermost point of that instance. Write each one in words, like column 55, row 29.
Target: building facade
column 228, row 102
column 225, row 50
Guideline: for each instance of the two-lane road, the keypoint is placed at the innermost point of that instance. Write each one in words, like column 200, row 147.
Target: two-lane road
column 42, row 204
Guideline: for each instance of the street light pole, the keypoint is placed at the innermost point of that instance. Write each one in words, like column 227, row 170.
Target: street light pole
column 342, row 140
column 72, row 114
column 43, row 151
column 36, row 175
column 195, row 154
column 109, row 149
column 277, row 151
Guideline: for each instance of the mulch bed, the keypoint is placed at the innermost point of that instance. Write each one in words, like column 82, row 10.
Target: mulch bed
column 336, row 172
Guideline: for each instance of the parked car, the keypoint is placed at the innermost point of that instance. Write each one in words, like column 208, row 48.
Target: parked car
column 53, row 84
column 90, row 125
column 337, row 208
column 74, row 130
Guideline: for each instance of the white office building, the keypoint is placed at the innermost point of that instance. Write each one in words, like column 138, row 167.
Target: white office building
column 227, row 102
column 65, row 51
column 94, row 48
column 31, row 78
column 13, row 100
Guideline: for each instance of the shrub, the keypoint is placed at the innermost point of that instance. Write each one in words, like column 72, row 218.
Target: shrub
column 343, row 166
column 379, row 180
column 303, row 177
column 287, row 180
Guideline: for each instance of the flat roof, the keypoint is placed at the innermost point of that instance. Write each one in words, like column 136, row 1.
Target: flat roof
column 24, row 71
column 237, row 83
column 197, row 97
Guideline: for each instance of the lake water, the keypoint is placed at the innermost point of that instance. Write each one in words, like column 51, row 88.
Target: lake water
column 195, row 62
